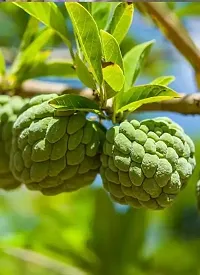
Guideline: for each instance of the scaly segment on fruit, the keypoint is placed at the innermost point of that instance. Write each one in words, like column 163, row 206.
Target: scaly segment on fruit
column 9, row 109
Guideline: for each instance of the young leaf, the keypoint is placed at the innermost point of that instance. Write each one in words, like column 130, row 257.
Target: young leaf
column 163, row 80
column 71, row 102
column 133, row 62
column 50, row 15
column 83, row 74
column 28, row 55
column 114, row 76
column 30, row 32
column 88, row 36
column 111, row 50
column 139, row 95
column 121, row 21
column 101, row 12
column 2, row 64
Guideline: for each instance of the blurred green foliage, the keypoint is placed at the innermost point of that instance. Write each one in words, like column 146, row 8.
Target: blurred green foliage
column 84, row 232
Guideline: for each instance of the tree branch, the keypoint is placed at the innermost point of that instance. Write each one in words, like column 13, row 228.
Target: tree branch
column 170, row 25
column 188, row 104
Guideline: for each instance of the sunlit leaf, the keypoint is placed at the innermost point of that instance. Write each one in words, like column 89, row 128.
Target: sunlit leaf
column 133, row 62
column 49, row 14
column 71, row 102
column 83, row 74
column 114, row 76
column 163, row 80
column 111, row 50
column 2, row 64
column 121, row 21
column 139, row 95
column 88, row 36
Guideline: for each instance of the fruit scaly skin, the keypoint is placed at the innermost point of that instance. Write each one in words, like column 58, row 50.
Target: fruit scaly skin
column 54, row 153
column 9, row 109
column 147, row 163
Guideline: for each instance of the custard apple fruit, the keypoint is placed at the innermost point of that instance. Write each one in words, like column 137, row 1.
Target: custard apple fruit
column 54, row 153
column 147, row 163
column 9, row 109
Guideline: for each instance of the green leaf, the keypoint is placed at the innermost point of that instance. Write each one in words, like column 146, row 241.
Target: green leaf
column 83, row 73
column 30, row 32
column 28, row 55
column 2, row 64
column 87, row 6
column 163, row 80
column 114, row 76
column 109, row 91
column 139, row 95
column 101, row 12
column 71, row 102
column 190, row 9
column 133, row 62
column 16, row 17
column 121, row 21
column 111, row 50
column 45, row 69
column 88, row 36
column 49, row 14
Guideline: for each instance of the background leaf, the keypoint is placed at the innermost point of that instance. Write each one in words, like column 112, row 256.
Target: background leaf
column 50, row 15
column 29, row 54
column 121, row 21
column 133, row 62
column 188, row 10
column 113, row 75
column 83, row 74
column 88, row 36
column 111, row 50
column 39, row 68
column 139, row 95
column 70, row 102
column 30, row 32
column 163, row 80
column 2, row 64
column 101, row 13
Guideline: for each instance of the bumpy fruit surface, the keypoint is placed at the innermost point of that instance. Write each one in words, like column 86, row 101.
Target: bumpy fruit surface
column 147, row 163
column 52, row 153
column 9, row 109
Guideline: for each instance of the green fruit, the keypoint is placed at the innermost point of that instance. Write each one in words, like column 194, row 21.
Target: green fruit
column 9, row 109
column 147, row 163
column 54, row 153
